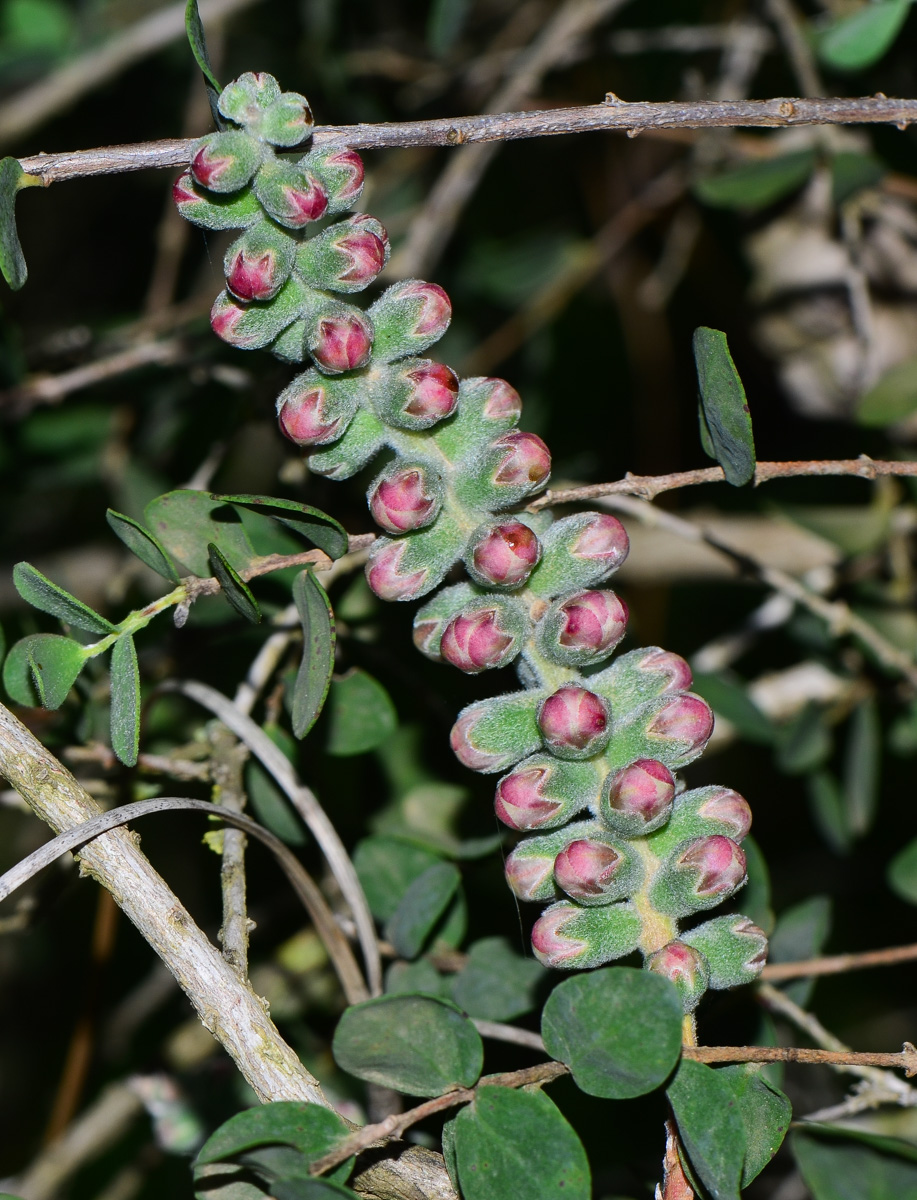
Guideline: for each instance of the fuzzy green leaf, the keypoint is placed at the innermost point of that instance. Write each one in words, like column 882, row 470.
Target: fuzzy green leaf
column 142, row 543
column 710, row 1123
column 513, row 1143
column 55, row 663
column 12, row 260
column 125, row 700
column 757, row 184
column 311, row 523
column 765, row 1113
column 234, row 587
column 862, row 761
column 194, row 27
column 309, row 1189
column 361, row 714
column 618, row 1029
column 46, row 596
column 386, row 868
column 892, row 398
column 421, row 907
column 902, row 870
column 416, row 1044
column 318, row 637
column 186, row 522
column 496, row 984
column 724, row 407
column 850, row 1169
column 857, row 41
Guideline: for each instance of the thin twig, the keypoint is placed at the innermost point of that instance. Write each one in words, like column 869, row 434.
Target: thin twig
column 905, row 1060
column 227, row 763
column 835, row 964
column 614, row 114
column 498, row 1032
column 150, row 764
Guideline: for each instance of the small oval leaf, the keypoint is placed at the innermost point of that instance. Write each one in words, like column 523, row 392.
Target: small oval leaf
column 186, row 522
column 710, row 1125
column 755, row 185
column 416, row 1044
column 724, row 408
column 42, row 594
column 125, row 700
column 421, row 907
column 234, row 587
column 55, row 663
column 318, row 639
column 361, row 714
column 617, row 1029
column 859, row 40
column 142, row 543
column 12, row 260
column 765, row 1113
column 311, row 523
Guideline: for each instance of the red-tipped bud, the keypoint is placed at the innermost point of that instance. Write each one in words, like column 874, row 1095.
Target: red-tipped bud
column 462, row 741
column 433, row 310
column 574, row 722
column 638, row 799
column 341, row 172
column 341, row 340
column 256, row 276
column 405, row 499
column 675, row 671
column 225, row 318
column 526, row 461
column 366, row 252
column 519, row 802
column 410, row 316
column 685, row 967
column 551, row 944
column 734, row 948
column 587, row 870
column 306, row 415
column 290, row 194
column 503, row 403
column 434, row 392
column 582, row 629
column 225, row 162
column 502, row 555
column 729, row 809
column 604, row 539
column 386, row 577
column 478, row 640
column 717, row 863
column 685, row 718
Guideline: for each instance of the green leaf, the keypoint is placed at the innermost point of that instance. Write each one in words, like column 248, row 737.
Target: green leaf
column 852, row 1170
column 361, row 714
column 902, row 870
column 271, row 807
column 55, row 663
column 851, row 172
column 756, row 184
column 403, row 978
column 421, row 907
column 724, row 407
column 125, row 700
column 514, row 1143
column 804, row 742
column 46, row 596
column 311, row 1130
column 12, row 260
column 194, row 28
column 386, row 868
column 765, row 1113
column 142, row 543
column 313, row 679
column 17, row 674
column 828, row 812
column 449, row 1153
column 710, row 1124
column 416, row 1044
column 496, row 984
column 756, row 895
column 311, row 523
column 234, row 587
column 617, row 1029
column 892, row 398
column 444, row 24
column 854, row 42
column 862, row 759
column 186, row 522
column 731, row 701
column 800, row 934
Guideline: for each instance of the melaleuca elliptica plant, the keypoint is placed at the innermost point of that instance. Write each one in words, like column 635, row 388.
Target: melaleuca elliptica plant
column 587, row 752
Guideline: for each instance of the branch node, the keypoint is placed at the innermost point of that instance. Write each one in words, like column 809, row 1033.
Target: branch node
column 632, row 133
column 611, row 98
column 787, row 108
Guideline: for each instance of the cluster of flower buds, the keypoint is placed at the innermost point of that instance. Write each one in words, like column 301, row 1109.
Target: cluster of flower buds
column 642, row 856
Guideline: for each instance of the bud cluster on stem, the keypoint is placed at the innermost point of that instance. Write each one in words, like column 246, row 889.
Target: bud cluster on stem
column 643, row 856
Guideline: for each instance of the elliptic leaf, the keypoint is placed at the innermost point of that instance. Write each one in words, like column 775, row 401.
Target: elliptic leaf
column 234, row 587
column 756, row 184
column 271, row 807
column 55, row 663
column 851, row 172
column 765, row 1114
column 125, row 700
column 12, row 260
column 724, row 407
column 421, row 907
column 311, row 523
column 859, row 40
column 862, row 760
column 186, row 522
column 313, row 678
column 449, row 1153
column 386, row 868
column 902, row 870
column 194, row 28
column 361, row 714
column 800, row 934
column 142, row 543
column 416, row 1044
column 42, row 594
column 617, row 1029
column 851, row 1170
column 828, row 812
column 710, row 1124
column 496, row 984
column 514, row 1143
column 892, row 398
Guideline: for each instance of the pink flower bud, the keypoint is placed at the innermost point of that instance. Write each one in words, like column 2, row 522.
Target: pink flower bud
column 519, row 802
column 685, row 967
column 639, row 799
column 475, row 641
column 344, row 173
column 461, row 739
column 504, row 403
column 529, row 875
column 341, row 341
column 672, row 667
column 551, row 946
column 434, row 392
column 586, row 870
column 717, row 863
column 526, row 463
column 604, row 538
column 384, row 574
column 574, row 722
column 290, row 194
column 256, row 277
column 685, row 718
column 730, row 809
column 225, row 162
column 225, row 317
column 433, row 309
column 183, row 192
column 503, row 555
column 404, row 500
column 366, row 252
column 592, row 622
column 305, row 420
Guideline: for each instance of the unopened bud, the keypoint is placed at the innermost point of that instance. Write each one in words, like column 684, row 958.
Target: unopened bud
column 483, row 638
column 405, row 497
column 259, row 263
column 214, row 210
column 544, row 791
column 314, row 411
column 685, row 967
column 291, row 195
column 225, row 162
column 340, row 338
column 603, row 539
column 502, row 555
column 685, row 723
column 385, row 575
column 579, row 552
column 593, row 871
column 574, row 722
column 341, row 173
column 409, row 317
column 699, row 874
column 583, row 629
column 525, row 462
column 346, row 257
column 734, row 947
column 639, row 799
column 493, row 735
column 568, row 936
